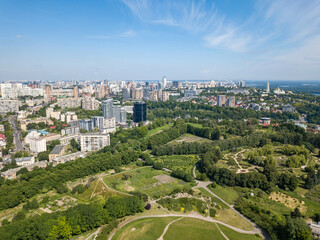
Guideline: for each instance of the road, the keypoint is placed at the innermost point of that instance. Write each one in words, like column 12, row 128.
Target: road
column 17, row 142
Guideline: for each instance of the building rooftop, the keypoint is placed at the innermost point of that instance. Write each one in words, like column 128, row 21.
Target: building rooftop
column 24, row 159
column 57, row 149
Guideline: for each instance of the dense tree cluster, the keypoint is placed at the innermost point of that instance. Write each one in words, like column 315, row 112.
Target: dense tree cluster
column 73, row 221
column 254, row 140
column 182, row 175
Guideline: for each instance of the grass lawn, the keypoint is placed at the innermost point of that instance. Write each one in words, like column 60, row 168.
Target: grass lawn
column 214, row 199
column 146, row 229
column 226, row 193
column 182, row 162
column 159, row 129
column 230, row 217
column 187, row 137
column 183, row 229
column 96, row 188
column 154, row 183
column 231, row 234
column 193, row 229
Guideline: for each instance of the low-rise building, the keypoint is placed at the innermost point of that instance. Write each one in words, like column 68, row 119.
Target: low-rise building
column 94, row 141
column 12, row 173
column 70, row 130
column 2, row 140
column 57, row 151
column 1, row 128
column 68, row 158
column 287, row 108
column 25, row 161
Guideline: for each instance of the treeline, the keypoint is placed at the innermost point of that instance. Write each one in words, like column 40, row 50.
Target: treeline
column 73, row 221
column 14, row 192
column 172, row 109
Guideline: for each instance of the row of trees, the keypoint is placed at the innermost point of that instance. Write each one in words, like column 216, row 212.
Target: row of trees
column 172, row 109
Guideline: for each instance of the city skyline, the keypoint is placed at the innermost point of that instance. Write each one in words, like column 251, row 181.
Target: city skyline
column 145, row 40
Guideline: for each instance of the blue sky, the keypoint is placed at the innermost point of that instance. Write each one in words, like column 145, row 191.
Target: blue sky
column 145, row 39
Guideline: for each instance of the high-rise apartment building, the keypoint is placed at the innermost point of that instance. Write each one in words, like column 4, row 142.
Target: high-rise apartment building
column 75, row 92
column 107, row 111
column 165, row 96
column 137, row 94
column 93, row 141
column 221, row 100
column 90, row 103
column 231, row 102
column 98, row 122
column 139, row 112
column 9, row 106
column 125, row 93
column 86, row 124
column 38, row 145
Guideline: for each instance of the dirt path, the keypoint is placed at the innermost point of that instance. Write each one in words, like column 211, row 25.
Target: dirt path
column 95, row 234
column 256, row 228
column 222, row 233
column 113, row 190
column 167, row 227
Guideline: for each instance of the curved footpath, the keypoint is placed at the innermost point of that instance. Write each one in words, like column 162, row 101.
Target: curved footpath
column 192, row 215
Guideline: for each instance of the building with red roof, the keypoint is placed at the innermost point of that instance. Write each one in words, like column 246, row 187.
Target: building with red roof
column 2, row 140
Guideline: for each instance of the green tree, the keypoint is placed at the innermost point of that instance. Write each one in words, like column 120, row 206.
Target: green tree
column 61, row 230
column 297, row 229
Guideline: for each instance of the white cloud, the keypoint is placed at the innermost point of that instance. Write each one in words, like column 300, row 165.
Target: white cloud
column 19, row 36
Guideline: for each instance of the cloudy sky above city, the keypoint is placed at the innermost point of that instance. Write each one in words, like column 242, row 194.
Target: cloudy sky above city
column 145, row 40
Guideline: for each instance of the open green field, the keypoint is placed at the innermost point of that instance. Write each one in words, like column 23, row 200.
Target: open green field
column 146, row 228
column 185, row 163
column 187, row 137
column 231, row 234
column 191, row 228
column 159, row 129
column 154, row 183
column 226, row 193
column 180, row 229
column 97, row 188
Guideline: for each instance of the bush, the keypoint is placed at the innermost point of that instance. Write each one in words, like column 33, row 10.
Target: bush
column 78, row 189
column 157, row 166
column 148, row 206
column 61, row 188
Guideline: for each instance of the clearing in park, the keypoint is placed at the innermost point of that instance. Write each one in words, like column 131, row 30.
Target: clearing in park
column 181, row 229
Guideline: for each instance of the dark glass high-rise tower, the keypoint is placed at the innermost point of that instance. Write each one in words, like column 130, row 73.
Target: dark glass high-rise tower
column 139, row 112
